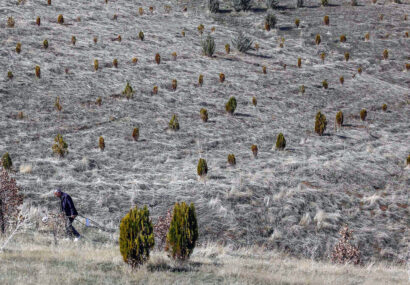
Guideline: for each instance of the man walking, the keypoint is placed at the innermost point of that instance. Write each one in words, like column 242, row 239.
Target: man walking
column 67, row 206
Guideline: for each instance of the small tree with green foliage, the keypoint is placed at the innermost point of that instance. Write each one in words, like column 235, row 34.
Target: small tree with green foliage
column 60, row 147
column 202, row 168
column 242, row 43
column 6, row 161
column 183, row 232
column 136, row 236
column 173, row 123
column 128, row 91
column 208, row 46
column 320, row 123
column 230, row 106
column 280, row 142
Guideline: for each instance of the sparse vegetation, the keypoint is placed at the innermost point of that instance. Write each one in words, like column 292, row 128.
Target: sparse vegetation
column 60, row 147
column 344, row 251
column 128, row 91
column 204, row 114
column 202, row 168
column 213, row 6
column 297, row 22
column 254, row 101
column 155, row 90
column 239, row 5
column 201, row 28
column 95, row 64
column 324, row 2
column 141, row 35
column 272, row 4
column 320, row 123
column 363, row 114
column 326, row 20
column 325, row 84
column 342, row 80
column 45, row 43
column 385, row 54
column 115, row 63
column 157, row 58
column 38, row 21
column 101, row 143
column 98, row 102
column 37, row 71
column 73, row 40
column 280, row 142
column 10, row 75
column 221, row 77
column 384, row 107
column 136, row 237
column 60, row 19
column 339, row 118
column 347, row 56
column 343, row 38
column 208, row 46
column 302, row 89
column 359, row 70
column 299, row 62
column 57, row 104
column 136, row 134
column 174, row 84
column 242, row 43
column 322, row 57
column 254, row 149
column 270, row 21
column 227, row 48
column 18, row 47
column 318, row 39
column 231, row 159
column 10, row 22
column 6, row 161
column 200, row 80
column 230, row 106
column 183, row 232
column 174, row 123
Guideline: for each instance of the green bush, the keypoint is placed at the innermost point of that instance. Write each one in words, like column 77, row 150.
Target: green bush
column 202, row 168
column 280, row 142
column 204, row 114
column 60, row 147
column 231, row 159
column 363, row 114
column 136, row 134
column 254, row 101
column 208, row 46
column 230, row 106
column 242, row 43
column 10, row 75
column 173, row 123
column 408, row 160
column 18, row 47
column 6, row 161
column 60, row 19
column 325, row 84
column 339, row 118
column 183, row 232
column 320, row 123
column 324, row 2
column 136, row 236
column 384, row 107
column 45, row 43
column 101, row 143
column 128, row 91
column 254, row 149
column 141, row 35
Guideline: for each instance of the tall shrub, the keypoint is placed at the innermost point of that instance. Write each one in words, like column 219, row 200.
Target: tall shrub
column 183, row 232
column 136, row 236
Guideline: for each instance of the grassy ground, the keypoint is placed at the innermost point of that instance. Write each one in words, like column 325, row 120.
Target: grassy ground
column 38, row 261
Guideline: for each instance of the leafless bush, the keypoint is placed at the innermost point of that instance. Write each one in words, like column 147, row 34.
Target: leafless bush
column 161, row 229
column 344, row 251
column 10, row 202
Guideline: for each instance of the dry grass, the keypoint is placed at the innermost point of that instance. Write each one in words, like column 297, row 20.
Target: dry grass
column 38, row 261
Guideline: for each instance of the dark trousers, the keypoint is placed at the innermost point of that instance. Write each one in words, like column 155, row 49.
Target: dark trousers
column 70, row 230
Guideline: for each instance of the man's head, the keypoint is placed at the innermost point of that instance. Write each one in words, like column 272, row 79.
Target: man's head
column 57, row 192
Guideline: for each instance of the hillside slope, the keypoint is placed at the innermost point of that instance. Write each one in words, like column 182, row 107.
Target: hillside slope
column 294, row 200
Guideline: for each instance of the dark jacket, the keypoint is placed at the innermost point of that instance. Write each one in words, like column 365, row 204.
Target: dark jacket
column 67, row 205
